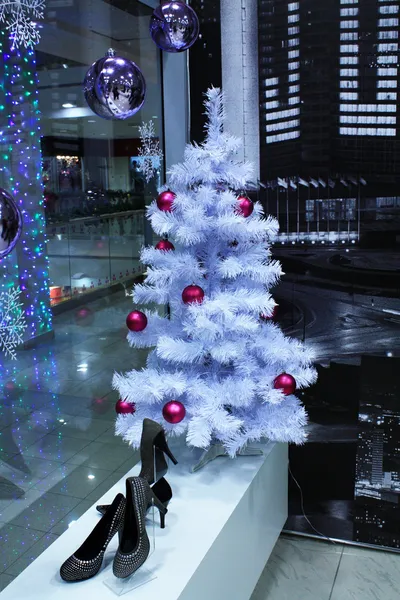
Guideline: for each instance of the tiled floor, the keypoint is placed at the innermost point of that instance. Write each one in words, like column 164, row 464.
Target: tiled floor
column 58, row 455
column 304, row 569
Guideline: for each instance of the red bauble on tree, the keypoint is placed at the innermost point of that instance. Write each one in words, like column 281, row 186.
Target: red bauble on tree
column 123, row 407
column 245, row 206
column 165, row 201
column 165, row 245
column 272, row 316
column 136, row 321
column 286, row 383
column 174, row 412
column 193, row 294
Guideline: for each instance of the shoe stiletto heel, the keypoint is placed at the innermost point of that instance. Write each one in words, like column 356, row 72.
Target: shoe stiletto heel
column 87, row 560
column 153, row 448
column 134, row 547
column 162, row 490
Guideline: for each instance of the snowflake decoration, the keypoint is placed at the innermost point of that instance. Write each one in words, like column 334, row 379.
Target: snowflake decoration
column 150, row 153
column 12, row 322
column 18, row 15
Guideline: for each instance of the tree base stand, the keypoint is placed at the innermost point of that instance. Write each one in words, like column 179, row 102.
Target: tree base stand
column 216, row 450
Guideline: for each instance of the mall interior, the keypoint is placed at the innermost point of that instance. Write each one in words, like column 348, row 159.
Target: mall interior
column 275, row 388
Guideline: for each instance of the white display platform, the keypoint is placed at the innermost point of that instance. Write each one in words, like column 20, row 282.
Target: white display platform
column 221, row 527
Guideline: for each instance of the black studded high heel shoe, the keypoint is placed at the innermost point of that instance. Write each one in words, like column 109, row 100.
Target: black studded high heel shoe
column 134, row 543
column 153, row 447
column 161, row 489
column 87, row 560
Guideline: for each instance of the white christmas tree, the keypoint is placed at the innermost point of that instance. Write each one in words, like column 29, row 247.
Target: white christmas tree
column 220, row 370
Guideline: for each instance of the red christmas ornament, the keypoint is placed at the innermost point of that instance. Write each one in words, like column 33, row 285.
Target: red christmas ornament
column 274, row 314
column 286, row 383
column 174, row 412
column 136, row 321
column 245, row 206
column 165, row 201
column 165, row 245
column 193, row 294
column 123, row 407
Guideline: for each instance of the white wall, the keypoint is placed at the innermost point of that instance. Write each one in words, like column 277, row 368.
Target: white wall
column 239, row 25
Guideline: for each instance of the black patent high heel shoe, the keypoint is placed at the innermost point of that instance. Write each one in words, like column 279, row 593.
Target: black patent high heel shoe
column 153, row 447
column 134, row 543
column 87, row 560
column 161, row 489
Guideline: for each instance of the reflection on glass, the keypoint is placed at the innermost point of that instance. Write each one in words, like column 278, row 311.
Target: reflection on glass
column 94, row 193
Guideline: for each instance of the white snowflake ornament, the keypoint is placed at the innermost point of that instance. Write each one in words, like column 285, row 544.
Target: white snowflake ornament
column 150, row 153
column 20, row 18
column 12, row 322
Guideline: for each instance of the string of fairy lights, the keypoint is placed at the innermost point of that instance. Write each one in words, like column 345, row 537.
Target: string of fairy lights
column 20, row 170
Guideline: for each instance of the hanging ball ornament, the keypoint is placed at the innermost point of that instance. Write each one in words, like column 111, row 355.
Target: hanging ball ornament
column 286, row 383
column 272, row 316
column 174, row 412
column 136, row 321
column 165, row 245
column 245, row 206
column 114, row 87
column 193, row 294
column 10, row 223
column 174, row 26
column 123, row 407
column 165, row 201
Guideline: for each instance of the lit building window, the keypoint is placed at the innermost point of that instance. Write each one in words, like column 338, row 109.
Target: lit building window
column 293, row 6
column 389, row 10
column 368, row 108
column 283, row 125
column 271, row 105
column 294, row 100
column 354, row 24
column 271, row 93
column 388, row 83
column 294, row 77
column 373, row 131
column 348, row 12
column 386, row 96
column 388, row 35
column 282, row 114
column 349, row 48
column 368, row 119
column 293, row 18
column 293, row 54
column 348, row 72
column 349, row 35
column 272, row 81
column 389, row 47
column 293, row 30
column 293, row 66
column 349, row 95
column 348, row 1
column 389, row 59
column 349, row 60
column 294, row 42
column 349, row 83
column 388, row 23
column 281, row 137
column 294, row 89
column 387, row 72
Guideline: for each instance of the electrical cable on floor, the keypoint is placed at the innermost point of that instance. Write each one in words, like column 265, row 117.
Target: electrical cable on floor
column 322, row 535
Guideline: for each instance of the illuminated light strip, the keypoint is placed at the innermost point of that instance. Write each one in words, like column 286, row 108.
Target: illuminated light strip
column 22, row 176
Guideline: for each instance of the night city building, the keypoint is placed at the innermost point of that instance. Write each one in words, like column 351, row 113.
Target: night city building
column 330, row 142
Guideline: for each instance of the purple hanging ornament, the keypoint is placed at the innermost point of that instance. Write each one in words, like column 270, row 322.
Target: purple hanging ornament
column 114, row 87
column 174, row 26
